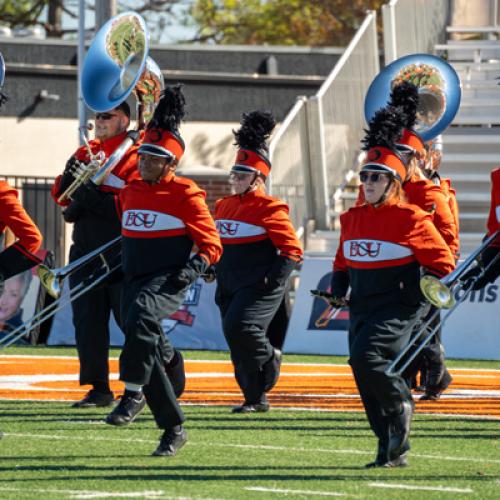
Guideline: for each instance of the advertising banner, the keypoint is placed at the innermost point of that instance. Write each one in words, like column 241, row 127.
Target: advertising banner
column 196, row 325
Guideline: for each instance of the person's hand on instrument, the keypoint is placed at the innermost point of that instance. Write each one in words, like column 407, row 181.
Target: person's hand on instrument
column 332, row 300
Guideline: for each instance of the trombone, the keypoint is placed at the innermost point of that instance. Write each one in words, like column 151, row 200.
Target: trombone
column 54, row 278
column 441, row 293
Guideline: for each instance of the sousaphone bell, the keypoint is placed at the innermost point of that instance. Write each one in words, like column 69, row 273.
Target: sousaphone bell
column 438, row 85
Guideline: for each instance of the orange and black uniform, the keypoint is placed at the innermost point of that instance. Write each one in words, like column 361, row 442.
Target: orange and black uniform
column 95, row 223
column 19, row 256
column 161, row 224
column 380, row 254
column 260, row 251
column 440, row 202
column 493, row 225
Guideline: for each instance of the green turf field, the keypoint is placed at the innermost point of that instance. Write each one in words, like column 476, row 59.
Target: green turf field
column 50, row 450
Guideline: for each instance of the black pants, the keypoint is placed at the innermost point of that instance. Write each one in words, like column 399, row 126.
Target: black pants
column 246, row 314
column 91, row 314
column 146, row 301
column 375, row 339
column 277, row 329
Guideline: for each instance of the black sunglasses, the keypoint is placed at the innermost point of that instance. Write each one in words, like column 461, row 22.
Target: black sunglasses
column 104, row 116
column 372, row 177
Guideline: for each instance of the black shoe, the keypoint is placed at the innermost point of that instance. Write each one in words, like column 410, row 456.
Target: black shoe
column 433, row 393
column 95, row 399
column 170, row 443
column 126, row 410
column 251, row 408
column 381, row 458
column 399, row 430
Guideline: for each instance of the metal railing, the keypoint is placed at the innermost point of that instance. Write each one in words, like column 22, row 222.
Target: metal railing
column 413, row 26
column 318, row 143
column 34, row 193
column 290, row 175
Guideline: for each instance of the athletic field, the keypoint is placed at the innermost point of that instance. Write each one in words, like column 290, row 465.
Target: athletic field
column 313, row 444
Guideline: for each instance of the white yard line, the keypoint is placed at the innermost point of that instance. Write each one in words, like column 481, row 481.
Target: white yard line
column 87, row 494
column 252, row 447
column 443, row 489
column 297, row 492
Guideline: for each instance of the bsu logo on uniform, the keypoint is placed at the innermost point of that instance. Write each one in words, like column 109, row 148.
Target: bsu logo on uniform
column 226, row 228
column 364, row 249
column 140, row 219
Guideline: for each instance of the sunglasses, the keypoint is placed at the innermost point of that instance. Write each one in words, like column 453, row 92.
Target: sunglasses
column 373, row 177
column 240, row 176
column 104, row 116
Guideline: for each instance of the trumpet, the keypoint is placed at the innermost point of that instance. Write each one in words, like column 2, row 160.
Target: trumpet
column 83, row 172
column 441, row 293
column 330, row 313
column 54, row 278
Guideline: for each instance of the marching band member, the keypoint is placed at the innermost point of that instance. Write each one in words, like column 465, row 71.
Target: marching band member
column 431, row 198
column 163, row 217
column 437, row 198
column 95, row 223
column 383, row 243
column 488, row 262
column 260, row 251
column 19, row 256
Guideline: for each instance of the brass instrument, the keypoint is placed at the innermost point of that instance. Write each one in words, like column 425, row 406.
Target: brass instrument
column 441, row 293
column 438, row 85
column 52, row 279
column 83, row 172
column 117, row 65
column 330, row 313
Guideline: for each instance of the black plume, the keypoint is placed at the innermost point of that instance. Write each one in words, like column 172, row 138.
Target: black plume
column 405, row 96
column 384, row 129
column 170, row 109
column 256, row 127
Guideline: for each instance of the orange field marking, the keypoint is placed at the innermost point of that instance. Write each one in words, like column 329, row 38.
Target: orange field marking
column 308, row 386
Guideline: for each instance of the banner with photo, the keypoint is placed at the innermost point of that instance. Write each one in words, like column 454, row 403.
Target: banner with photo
column 19, row 302
column 196, row 325
column 472, row 331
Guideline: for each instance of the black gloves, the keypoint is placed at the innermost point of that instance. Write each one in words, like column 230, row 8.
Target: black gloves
column 67, row 177
column 279, row 273
column 188, row 274
column 209, row 275
column 332, row 300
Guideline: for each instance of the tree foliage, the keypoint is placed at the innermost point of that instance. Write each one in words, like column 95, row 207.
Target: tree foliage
column 280, row 22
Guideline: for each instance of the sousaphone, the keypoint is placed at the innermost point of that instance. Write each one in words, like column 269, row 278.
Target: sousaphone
column 116, row 66
column 439, row 90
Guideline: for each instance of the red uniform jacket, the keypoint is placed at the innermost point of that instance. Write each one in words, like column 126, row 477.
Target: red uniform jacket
column 494, row 215
column 160, row 224
column 19, row 256
column 382, row 248
column 255, row 229
column 435, row 200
